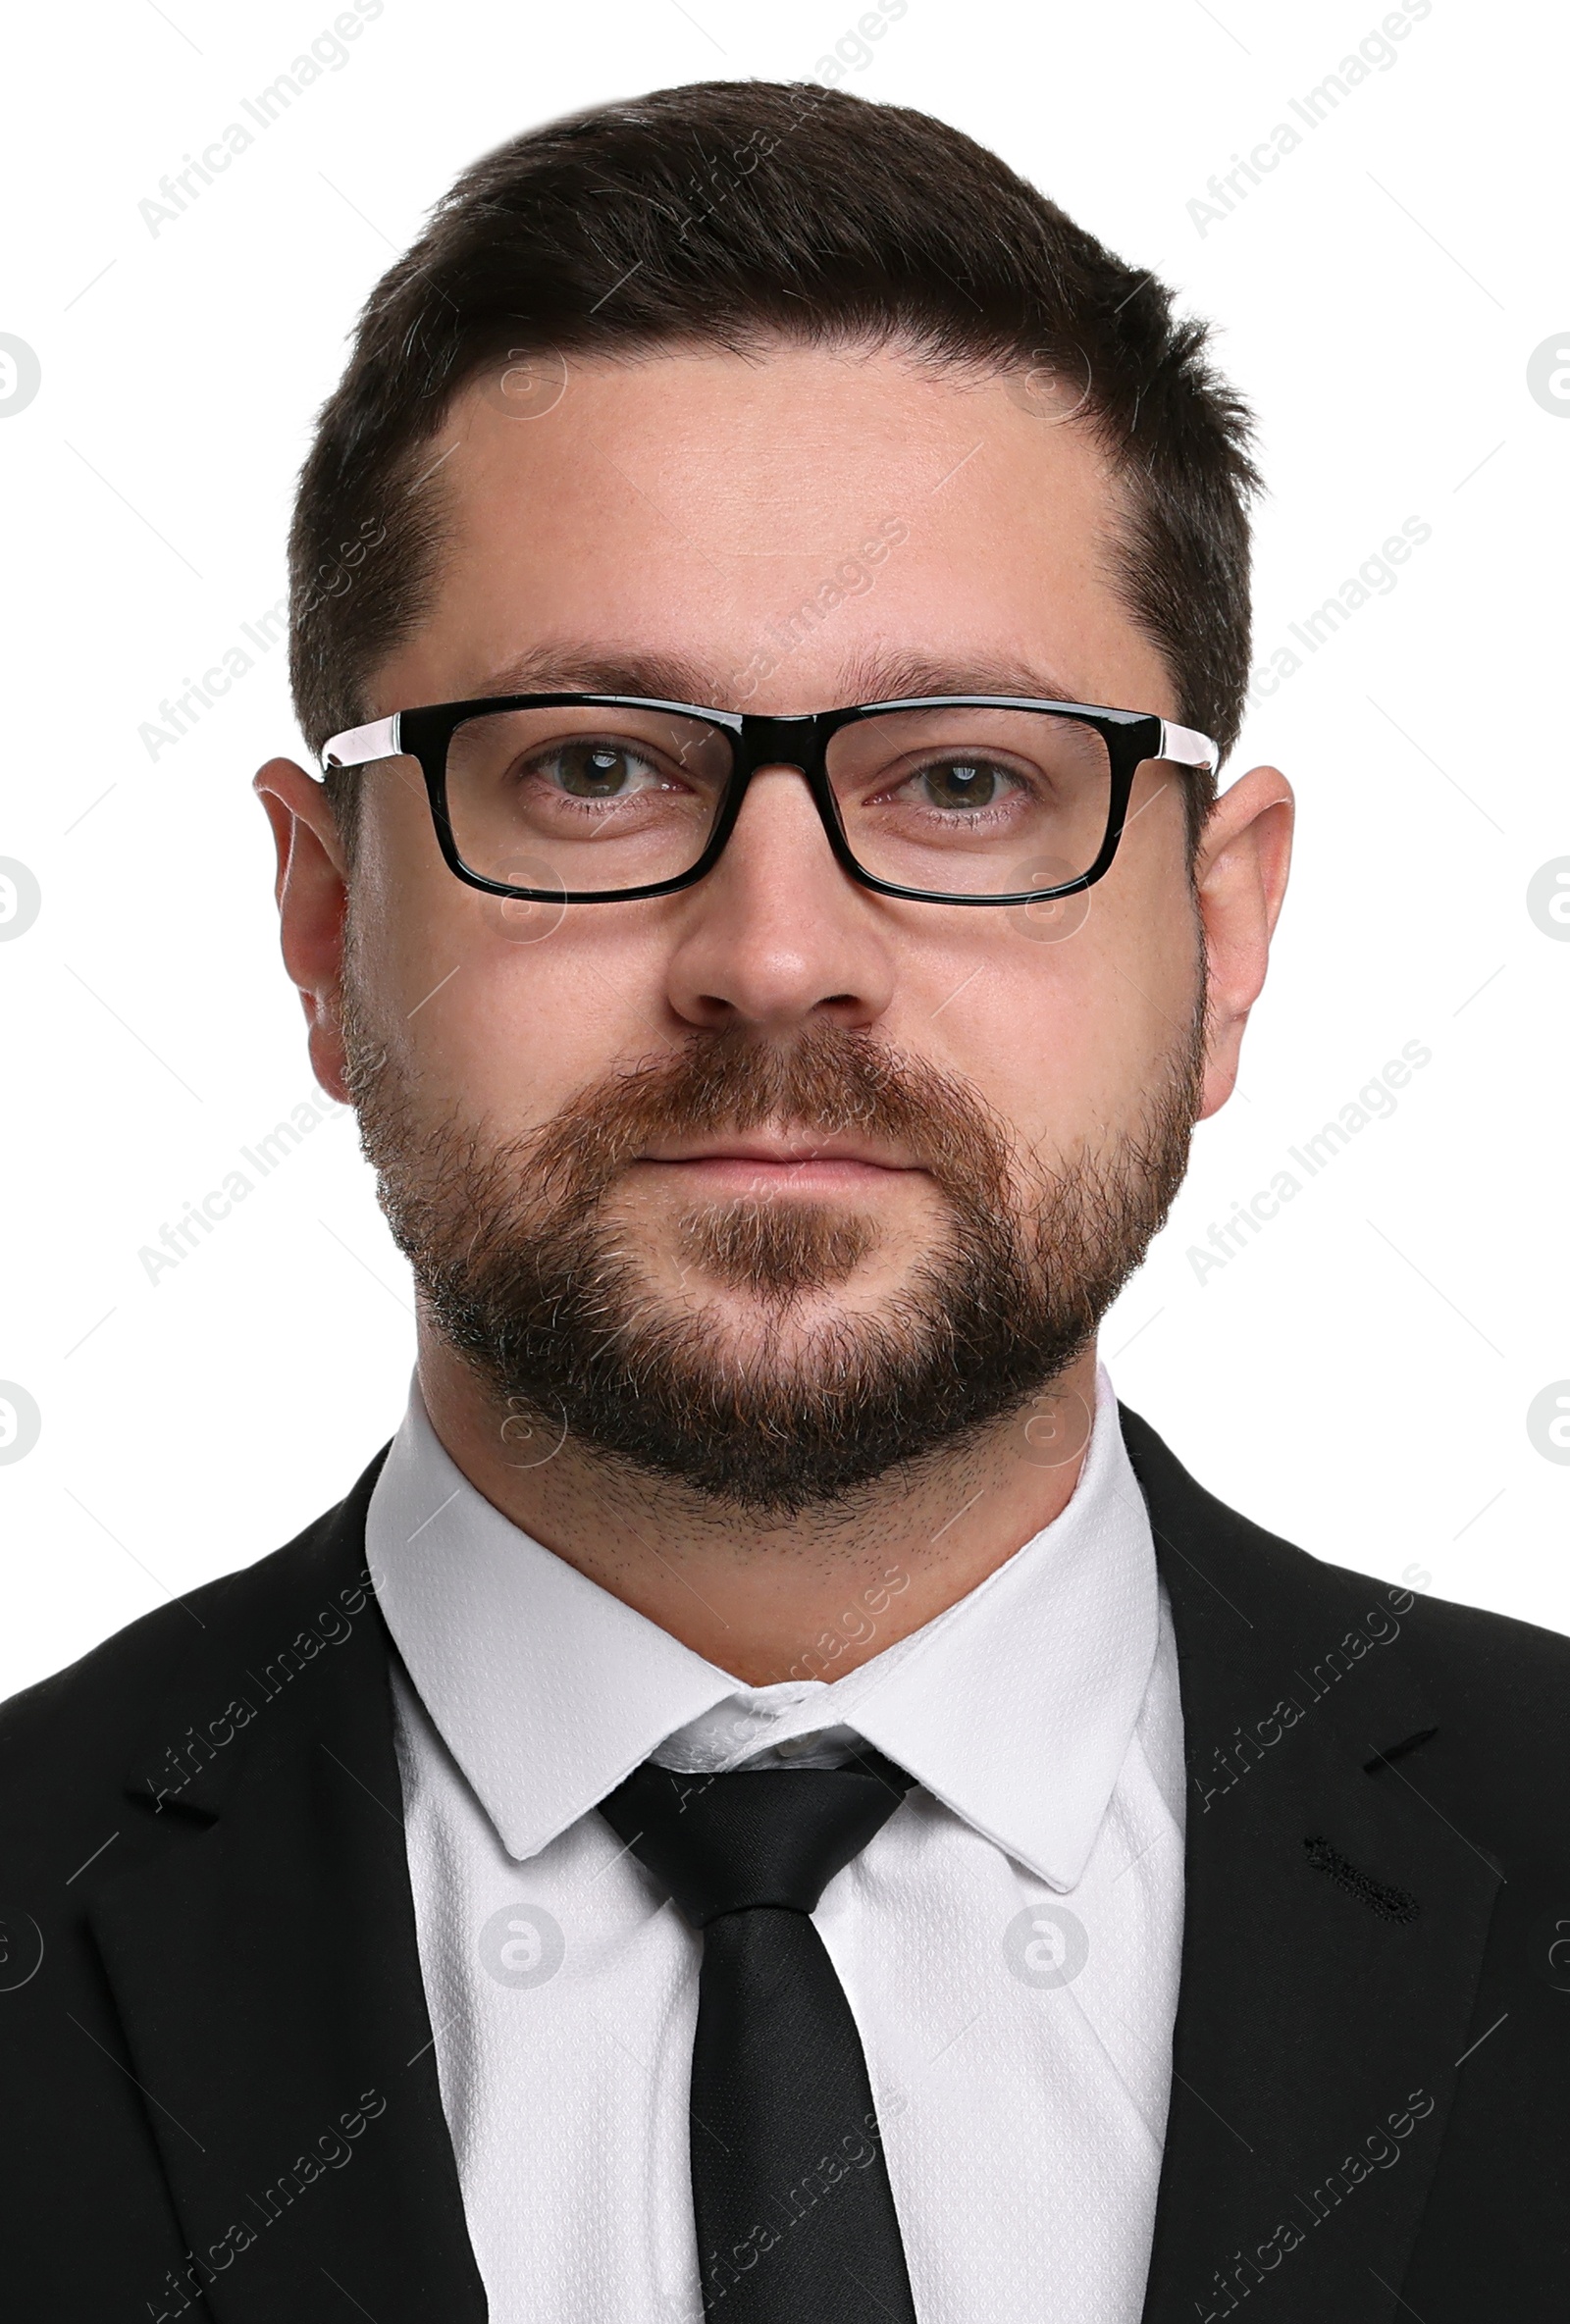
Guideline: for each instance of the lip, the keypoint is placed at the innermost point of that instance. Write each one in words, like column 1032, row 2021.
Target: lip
column 780, row 1149
column 781, row 1162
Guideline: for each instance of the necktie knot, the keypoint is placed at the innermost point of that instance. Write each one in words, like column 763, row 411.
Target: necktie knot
column 774, row 1837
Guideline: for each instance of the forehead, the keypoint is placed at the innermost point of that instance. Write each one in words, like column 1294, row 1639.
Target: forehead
column 826, row 513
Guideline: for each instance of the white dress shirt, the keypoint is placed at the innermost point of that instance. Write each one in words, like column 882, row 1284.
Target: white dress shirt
column 1007, row 1941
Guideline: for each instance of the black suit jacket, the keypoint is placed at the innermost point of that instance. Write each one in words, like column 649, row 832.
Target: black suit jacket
column 218, row 2080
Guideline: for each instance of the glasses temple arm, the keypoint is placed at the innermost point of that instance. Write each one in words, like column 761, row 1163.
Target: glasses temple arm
column 1184, row 746
column 359, row 745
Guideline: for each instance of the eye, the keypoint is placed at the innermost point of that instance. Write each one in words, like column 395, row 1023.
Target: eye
column 597, row 769
column 961, row 783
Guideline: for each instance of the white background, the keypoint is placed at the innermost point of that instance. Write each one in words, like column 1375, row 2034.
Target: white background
column 1359, row 1377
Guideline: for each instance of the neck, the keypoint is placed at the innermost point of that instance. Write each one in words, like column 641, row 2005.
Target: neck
column 811, row 1596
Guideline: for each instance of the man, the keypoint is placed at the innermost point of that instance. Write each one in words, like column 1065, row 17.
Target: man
column 775, row 1796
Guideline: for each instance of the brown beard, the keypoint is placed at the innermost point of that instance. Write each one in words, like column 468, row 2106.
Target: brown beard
column 528, row 1272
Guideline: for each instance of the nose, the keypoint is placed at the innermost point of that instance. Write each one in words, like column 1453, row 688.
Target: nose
column 777, row 935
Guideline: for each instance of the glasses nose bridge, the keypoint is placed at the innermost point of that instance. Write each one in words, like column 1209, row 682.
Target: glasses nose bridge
column 796, row 740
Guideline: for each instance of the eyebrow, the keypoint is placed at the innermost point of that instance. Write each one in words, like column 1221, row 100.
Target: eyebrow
column 584, row 669
column 871, row 677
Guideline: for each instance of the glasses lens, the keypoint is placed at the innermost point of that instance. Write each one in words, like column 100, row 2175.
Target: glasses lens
column 584, row 798
column 966, row 801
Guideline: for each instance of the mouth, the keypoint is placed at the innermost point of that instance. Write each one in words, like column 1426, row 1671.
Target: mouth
column 778, row 1163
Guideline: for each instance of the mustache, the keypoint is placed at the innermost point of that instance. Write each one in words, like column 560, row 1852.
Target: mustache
column 827, row 1081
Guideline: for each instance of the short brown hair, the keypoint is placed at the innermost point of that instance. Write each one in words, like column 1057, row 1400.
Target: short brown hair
column 731, row 214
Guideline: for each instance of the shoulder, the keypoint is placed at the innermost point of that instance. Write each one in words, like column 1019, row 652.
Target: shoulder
column 70, row 1744
column 1233, row 1576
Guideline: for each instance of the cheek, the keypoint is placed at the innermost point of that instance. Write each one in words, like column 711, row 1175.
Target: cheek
column 499, row 1008
column 407, row 913
column 537, row 1002
column 1063, row 1028
column 1148, row 941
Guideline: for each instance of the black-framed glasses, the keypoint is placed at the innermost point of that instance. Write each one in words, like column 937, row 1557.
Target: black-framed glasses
column 945, row 799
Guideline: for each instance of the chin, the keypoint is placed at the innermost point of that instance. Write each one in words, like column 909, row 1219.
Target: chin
column 796, row 1324
column 765, row 1260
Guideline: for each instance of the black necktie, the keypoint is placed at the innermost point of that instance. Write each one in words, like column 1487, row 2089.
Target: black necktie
column 791, row 2196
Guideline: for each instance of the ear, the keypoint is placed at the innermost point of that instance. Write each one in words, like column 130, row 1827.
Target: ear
column 312, row 892
column 1241, row 879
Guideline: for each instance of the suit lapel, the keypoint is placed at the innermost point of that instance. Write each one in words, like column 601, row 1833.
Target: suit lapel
column 1334, row 1930
column 264, row 1964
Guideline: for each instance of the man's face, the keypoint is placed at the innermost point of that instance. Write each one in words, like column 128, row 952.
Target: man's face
column 662, row 1118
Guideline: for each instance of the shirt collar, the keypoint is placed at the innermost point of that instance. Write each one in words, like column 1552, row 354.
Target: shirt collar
column 1014, row 1706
